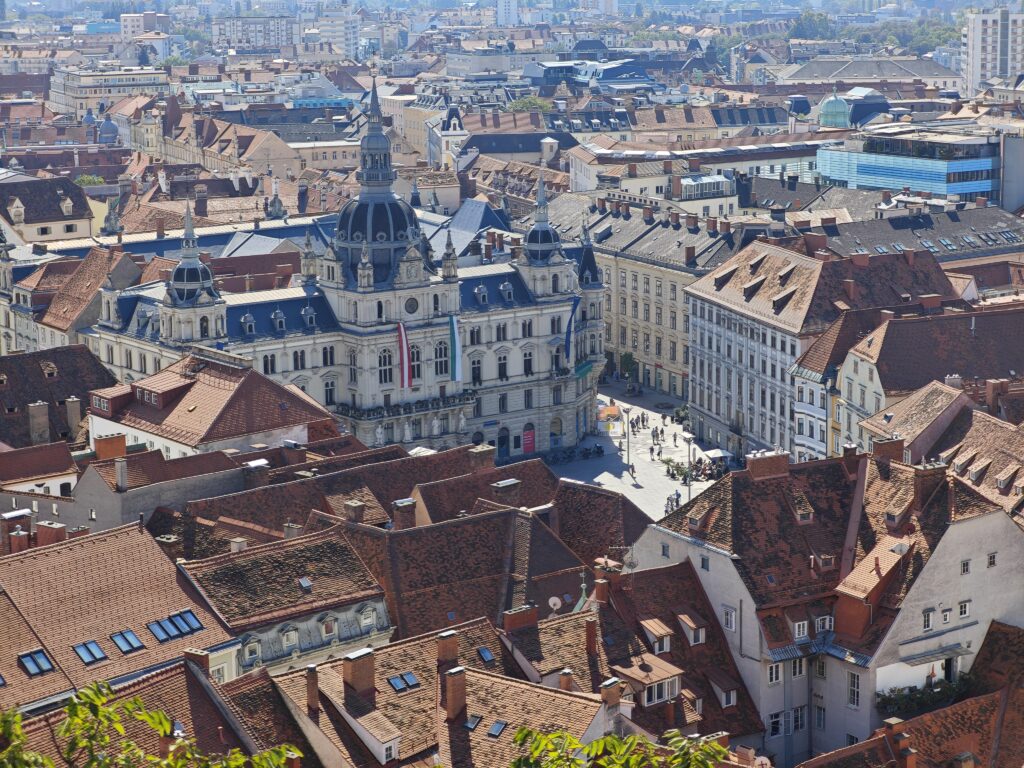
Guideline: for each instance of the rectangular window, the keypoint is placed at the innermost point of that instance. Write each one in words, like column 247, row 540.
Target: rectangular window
column 991, row 559
column 853, row 689
column 800, row 630
column 797, row 667
column 665, row 550
column 926, row 620
column 774, row 725
column 965, row 609
column 729, row 618
column 819, row 717
column 820, row 667
column 947, row 614
column 705, row 563
column 799, row 718
column 774, row 674
column 965, row 567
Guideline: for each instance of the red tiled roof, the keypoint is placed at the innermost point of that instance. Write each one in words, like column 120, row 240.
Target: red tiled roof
column 36, row 461
column 82, row 288
column 103, row 583
column 151, row 467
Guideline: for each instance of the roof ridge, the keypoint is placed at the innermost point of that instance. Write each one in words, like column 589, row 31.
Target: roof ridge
column 304, row 538
column 93, row 537
column 528, row 685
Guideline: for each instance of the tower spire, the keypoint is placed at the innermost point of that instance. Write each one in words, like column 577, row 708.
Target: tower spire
column 375, row 172
column 542, row 199
column 188, row 237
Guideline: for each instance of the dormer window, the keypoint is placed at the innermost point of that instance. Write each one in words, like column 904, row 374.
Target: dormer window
column 823, row 624
column 252, row 650
column 309, row 317
column 290, row 638
column 663, row 690
column 481, row 294
column 800, row 630
column 662, row 644
column 328, row 628
column 66, row 206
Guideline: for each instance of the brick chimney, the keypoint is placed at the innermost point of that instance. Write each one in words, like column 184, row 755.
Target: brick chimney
column 887, row 450
column 611, row 694
column 712, row 224
column 448, row 647
column 507, row 491
column 565, row 679
column 861, row 260
column 850, row 287
column 455, row 693
column 171, row 545
column 110, row 446
column 160, row 232
column 674, row 218
column 200, row 658
column 690, row 255
column 312, row 690
column 519, row 618
column 403, row 514
column 17, row 540
column 691, row 221
column 354, row 510
column 358, row 670
column 768, row 464
column 601, row 590
column 927, row 478
column 201, row 206
column 481, row 457
column 602, row 205
column 50, row 532
column 724, row 227
column 590, row 625
column 648, row 214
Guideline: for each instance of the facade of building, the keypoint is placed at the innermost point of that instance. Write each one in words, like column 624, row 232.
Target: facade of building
column 993, row 46
column 505, row 351
column 135, row 24
column 74, row 91
column 507, row 13
column 254, row 33
column 340, row 27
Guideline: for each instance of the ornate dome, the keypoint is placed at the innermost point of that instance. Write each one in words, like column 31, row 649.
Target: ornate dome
column 377, row 217
column 191, row 279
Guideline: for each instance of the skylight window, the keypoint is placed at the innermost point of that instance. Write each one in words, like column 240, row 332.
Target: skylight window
column 306, row 584
column 451, row 615
column 397, row 683
column 485, row 654
column 36, row 662
column 176, row 625
column 497, row 729
column 410, row 680
column 472, row 722
column 126, row 641
column 405, row 681
column 2, row 681
column 90, row 652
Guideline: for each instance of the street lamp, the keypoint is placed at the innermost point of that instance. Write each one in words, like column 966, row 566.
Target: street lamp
column 688, row 439
column 626, row 409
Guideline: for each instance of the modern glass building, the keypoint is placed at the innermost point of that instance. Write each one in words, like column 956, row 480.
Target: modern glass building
column 964, row 162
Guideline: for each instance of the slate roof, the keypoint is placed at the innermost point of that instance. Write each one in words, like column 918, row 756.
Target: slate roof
column 218, row 402
column 52, row 375
column 260, row 585
column 90, row 571
column 492, row 278
column 42, row 198
column 910, row 352
column 261, row 305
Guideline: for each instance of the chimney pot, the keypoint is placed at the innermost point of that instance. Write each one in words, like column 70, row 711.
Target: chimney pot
column 565, row 679
column 455, row 693
column 312, row 689
column 447, row 646
column 403, row 514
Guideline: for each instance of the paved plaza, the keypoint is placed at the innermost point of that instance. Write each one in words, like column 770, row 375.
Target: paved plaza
column 652, row 486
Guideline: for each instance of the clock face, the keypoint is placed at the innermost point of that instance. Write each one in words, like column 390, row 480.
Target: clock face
column 411, row 305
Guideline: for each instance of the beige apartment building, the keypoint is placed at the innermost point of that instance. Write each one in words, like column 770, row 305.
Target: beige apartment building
column 73, row 91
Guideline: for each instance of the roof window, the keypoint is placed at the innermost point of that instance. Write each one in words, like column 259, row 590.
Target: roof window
column 485, row 654
column 36, row 662
column 497, row 729
column 90, row 652
column 175, row 625
column 404, row 682
column 472, row 722
column 127, row 641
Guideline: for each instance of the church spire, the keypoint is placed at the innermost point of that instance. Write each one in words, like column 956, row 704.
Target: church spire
column 542, row 200
column 375, row 172
column 188, row 237
column 449, row 261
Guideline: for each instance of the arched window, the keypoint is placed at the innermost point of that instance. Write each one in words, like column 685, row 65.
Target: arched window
column 554, row 283
column 204, row 327
column 441, row 358
column 437, row 303
column 415, row 363
column 528, row 363
column 299, row 360
column 327, row 355
column 527, row 329
column 380, row 310
column 385, row 369
column 593, row 344
column 353, row 366
column 269, row 364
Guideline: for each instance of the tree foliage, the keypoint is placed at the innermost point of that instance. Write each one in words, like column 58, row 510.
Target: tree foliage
column 921, row 37
column 811, row 26
column 528, row 104
column 93, row 735
column 89, row 180
column 562, row 750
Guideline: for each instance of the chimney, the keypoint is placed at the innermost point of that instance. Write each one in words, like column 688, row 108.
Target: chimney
column 602, row 205
column 357, row 671
column 499, row 242
column 648, row 214
column 674, row 218
column 403, row 514
column 121, row 474
column 312, row 690
column 238, row 544
column 850, row 287
column 591, row 627
column 519, row 618
column 481, row 457
column 110, row 446
column 200, row 658
column 601, row 590
column 888, row 450
column 611, row 693
column 39, row 422
column 507, row 491
column 17, row 540
column 565, row 679
column 624, row 210
column 160, row 233
column 488, row 252
column 862, row 260
column 448, row 646
column 354, row 510
column 49, row 532
column 822, row 254
column 981, row 202
column 677, row 187
column 291, row 530
column 930, row 300
column 171, row 546
column 724, row 227
column 768, row 464
column 666, row 166
column 712, row 224
column 302, row 200
column 455, row 693
column 690, row 255
column 886, row 197
column 631, row 168
column 73, row 407
column 691, row 221
column 927, row 478
column 201, row 207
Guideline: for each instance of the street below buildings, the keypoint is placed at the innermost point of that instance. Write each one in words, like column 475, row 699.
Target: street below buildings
column 651, row 487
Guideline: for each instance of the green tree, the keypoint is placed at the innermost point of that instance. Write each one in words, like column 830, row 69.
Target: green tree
column 144, row 60
column 528, row 104
column 562, row 750
column 93, row 735
column 811, row 26
column 89, row 180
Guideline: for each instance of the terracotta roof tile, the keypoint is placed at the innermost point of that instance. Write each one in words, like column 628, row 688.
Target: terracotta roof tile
column 261, row 585
column 151, row 467
column 82, row 288
column 36, row 461
column 594, row 522
column 107, row 582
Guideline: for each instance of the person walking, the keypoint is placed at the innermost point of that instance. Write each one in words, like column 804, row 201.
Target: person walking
column 675, row 439
column 652, row 452
column 659, row 453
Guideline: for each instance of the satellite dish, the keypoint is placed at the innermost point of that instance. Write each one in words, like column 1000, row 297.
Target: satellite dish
column 555, row 603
